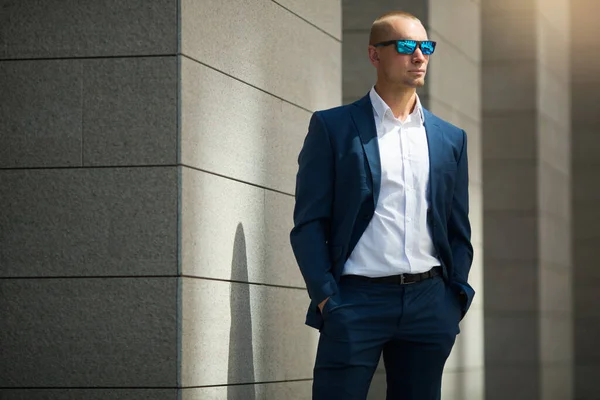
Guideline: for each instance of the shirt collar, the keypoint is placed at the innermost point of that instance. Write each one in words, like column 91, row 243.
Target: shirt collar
column 380, row 107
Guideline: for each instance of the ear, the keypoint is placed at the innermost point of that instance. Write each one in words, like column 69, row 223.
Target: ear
column 373, row 56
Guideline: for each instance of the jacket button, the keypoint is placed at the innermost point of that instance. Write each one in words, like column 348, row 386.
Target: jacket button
column 366, row 217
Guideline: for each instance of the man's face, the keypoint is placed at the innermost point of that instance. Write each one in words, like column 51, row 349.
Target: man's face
column 401, row 70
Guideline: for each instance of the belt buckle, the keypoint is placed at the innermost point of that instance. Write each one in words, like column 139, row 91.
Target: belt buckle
column 403, row 280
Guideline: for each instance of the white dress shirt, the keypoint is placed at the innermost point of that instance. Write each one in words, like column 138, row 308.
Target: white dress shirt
column 398, row 239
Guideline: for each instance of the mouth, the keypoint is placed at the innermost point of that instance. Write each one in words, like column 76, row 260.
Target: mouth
column 419, row 71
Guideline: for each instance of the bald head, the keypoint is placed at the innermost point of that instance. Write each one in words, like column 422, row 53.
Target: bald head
column 382, row 29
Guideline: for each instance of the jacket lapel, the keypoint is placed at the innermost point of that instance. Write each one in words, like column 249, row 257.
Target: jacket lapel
column 362, row 114
column 435, row 144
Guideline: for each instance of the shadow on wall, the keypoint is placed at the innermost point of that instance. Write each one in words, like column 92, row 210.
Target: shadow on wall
column 241, row 355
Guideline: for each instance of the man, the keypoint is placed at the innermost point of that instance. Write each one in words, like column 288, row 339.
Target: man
column 382, row 234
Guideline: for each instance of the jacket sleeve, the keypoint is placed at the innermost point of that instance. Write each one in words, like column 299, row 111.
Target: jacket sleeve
column 312, row 211
column 459, row 230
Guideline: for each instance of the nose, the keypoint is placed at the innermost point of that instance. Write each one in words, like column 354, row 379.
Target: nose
column 418, row 56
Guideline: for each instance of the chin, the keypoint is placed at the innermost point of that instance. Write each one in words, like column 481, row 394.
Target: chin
column 415, row 84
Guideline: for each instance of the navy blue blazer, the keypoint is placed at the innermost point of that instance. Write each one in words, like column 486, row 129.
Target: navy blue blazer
column 337, row 188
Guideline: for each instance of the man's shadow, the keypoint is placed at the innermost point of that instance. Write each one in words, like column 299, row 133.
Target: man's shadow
column 241, row 354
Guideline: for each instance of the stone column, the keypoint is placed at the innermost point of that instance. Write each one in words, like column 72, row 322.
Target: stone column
column 147, row 169
column 585, row 76
column 88, row 222
column 527, row 220
column 252, row 72
column 452, row 92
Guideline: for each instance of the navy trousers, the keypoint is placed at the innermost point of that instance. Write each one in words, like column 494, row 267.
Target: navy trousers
column 414, row 326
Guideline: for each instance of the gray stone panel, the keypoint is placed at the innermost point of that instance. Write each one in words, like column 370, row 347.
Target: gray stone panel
column 240, row 333
column 557, row 381
column 476, row 217
column 325, row 14
column 359, row 75
column 584, row 33
column 586, row 381
column 510, row 338
column 509, row 137
column 585, row 256
column 359, row 14
column 553, row 98
column 235, row 130
column 554, row 39
column 501, row 287
column 467, row 353
column 584, row 110
column 556, row 339
column 554, row 147
column 130, row 111
column 514, row 382
column 510, row 236
column 269, row 48
column 586, row 72
column 554, row 196
column 470, row 123
column 586, row 145
column 585, row 113
column 230, row 228
column 587, row 226
column 40, row 113
column 508, row 185
column 88, row 394
column 454, row 78
column 509, row 37
column 78, row 222
column 555, row 289
column 279, row 257
column 496, row 7
column 508, row 87
column 586, row 191
column 477, row 269
column 586, row 293
column 462, row 385
column 378, row 386
column 556, row 13
column 463, row 36
column 555, row 241
column 586, row 337
column 35, row 29
column 88, row 332
column 277, row 390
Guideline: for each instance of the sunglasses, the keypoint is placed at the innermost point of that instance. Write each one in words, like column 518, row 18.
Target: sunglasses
column 409, row 46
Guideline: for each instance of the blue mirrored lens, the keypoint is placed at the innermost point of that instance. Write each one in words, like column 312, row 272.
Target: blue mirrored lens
column 427, row 47
column 406, row 46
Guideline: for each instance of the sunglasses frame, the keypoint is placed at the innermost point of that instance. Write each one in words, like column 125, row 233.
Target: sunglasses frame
column 418, row 45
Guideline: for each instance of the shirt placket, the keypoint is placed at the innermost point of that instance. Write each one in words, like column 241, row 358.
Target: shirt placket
column 410, row 201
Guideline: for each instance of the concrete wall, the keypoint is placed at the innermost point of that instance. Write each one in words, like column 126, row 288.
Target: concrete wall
column 148, row 158
column 585, row 76
column 452, row 92
column 554, row 199
column 246, row 100
column 88, row 223
column 527, row 175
